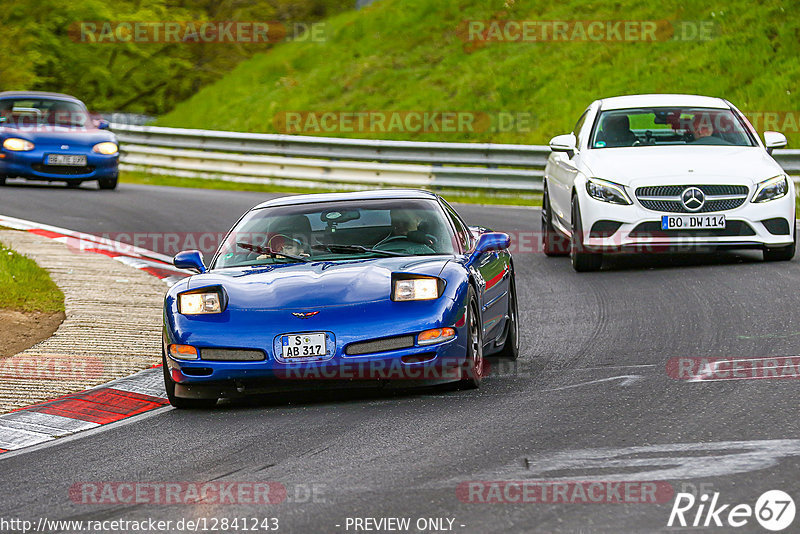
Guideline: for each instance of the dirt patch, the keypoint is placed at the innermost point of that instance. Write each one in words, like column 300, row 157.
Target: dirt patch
column 22, row 330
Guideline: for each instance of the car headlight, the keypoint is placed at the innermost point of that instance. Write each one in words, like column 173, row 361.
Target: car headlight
column 415, row 289
column 201, row 302
column 107, row 147
column 17, row 145
column 772, row 189
column 607, row 191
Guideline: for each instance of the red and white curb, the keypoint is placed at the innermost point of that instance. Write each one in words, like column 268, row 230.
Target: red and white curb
column 159, row 265
column 104, row 404
column 88, row 409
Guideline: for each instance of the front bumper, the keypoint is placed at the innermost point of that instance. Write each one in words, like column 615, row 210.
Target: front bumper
column 344, row 326
column 31, row 165
column 639, row 228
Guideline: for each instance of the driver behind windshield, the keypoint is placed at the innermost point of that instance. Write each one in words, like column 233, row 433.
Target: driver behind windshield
column 283, row 244
column 63, row 113
column 289, row 235
column 702, row 131
column 405, row 234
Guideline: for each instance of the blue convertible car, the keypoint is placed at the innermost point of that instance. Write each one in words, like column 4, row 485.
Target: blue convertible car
column 52, row 137
column 345, row 289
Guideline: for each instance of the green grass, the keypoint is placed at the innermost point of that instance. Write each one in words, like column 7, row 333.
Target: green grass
column 410, row 55
column 462, row 196
column 25, row 286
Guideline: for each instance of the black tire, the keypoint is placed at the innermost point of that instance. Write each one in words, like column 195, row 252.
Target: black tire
column 783, row 253
column 554, row 243
column 107, row 183
column 582, row 259
column 473, row 369
column 2, row 180
column 74, row 184
column 178, row 402
column 510, row 349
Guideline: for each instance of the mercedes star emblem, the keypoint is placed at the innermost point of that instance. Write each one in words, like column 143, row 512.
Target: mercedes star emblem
column 693, row 199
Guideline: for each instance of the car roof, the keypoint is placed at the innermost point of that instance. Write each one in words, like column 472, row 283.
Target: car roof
column 376, row 194
column 662, row 100
column 37, row 94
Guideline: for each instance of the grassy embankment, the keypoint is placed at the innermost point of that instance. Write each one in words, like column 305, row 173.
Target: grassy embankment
column 415, row 55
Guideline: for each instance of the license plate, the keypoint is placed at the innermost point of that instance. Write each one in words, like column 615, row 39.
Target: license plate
column 303, row 345
column 66, row 159
column 692, row 222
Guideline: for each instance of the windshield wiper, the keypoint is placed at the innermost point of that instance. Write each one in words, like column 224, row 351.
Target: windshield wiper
column 269, row 252
column 356, row 248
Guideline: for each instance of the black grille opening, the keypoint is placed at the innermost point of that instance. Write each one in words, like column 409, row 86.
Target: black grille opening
column 419, row 358
column 232, row 355
column 62, row 169
column 732, row 229
column 604, row 228
column 776, row 226
column 379, row 345
column 196, row 371
column 675, row 206
column 676, row 190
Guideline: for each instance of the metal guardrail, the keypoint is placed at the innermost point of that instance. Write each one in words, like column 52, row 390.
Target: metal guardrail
column 339, row 162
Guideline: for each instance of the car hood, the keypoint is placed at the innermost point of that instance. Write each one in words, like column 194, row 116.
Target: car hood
column 685, row 164
column 316, row 284
column 47, row 135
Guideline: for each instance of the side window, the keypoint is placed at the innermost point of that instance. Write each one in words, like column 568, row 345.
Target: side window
column 463, row 234
column 579, row 127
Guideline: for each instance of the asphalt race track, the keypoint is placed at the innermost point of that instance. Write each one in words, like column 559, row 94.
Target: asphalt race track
column 590, row 399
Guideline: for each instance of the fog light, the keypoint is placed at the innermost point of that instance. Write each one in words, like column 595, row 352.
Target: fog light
column 183, row 352
column 436, row 335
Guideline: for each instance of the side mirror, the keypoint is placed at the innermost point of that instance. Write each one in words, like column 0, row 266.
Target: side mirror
column 564, row 143
column 491, row 241
column 773, row 140
column 191, row 260
column 103, row 124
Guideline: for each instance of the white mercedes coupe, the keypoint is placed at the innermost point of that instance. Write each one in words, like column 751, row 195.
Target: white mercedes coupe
column 659, row 173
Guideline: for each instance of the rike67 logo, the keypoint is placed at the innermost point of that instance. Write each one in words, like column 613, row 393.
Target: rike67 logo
column 774, row 510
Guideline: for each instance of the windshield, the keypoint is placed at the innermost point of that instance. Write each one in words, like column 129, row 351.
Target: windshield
column 336, row 231
column 23, row 112
column 668, row 126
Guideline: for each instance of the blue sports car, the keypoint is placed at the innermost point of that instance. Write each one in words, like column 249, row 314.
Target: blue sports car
column 52, row 137
column 344, row 289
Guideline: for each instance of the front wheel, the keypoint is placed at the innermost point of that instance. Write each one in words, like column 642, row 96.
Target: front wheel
column 582, row 259
column 2, row 180
column 107, row 183
column 474, row 365
column 179, row 402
